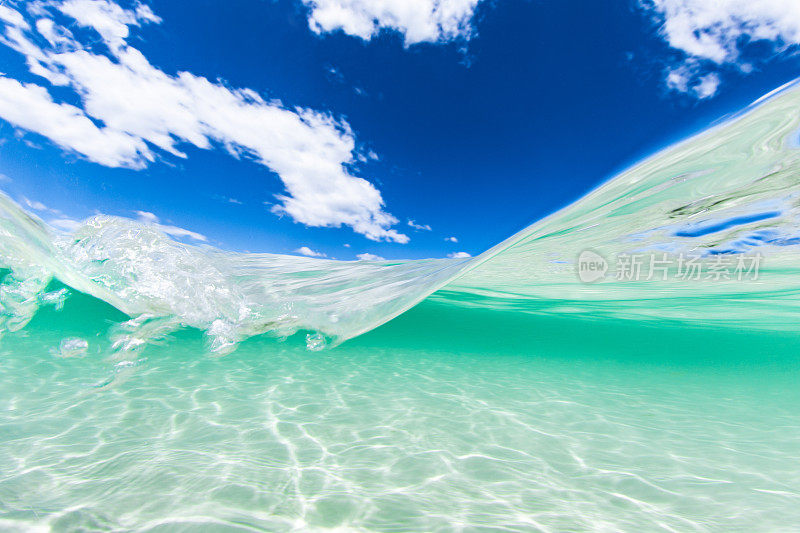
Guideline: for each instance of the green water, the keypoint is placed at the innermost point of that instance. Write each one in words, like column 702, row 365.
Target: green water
column 149, row 385
column 444, row 419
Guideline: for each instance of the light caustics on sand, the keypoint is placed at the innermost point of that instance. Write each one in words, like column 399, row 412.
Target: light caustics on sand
column 501, row 391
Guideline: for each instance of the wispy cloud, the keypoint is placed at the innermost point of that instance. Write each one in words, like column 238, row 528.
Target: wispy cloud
column 369, row 257
column 107, row 18
column 147, row 217
column 58, row 219
column 451, row 239
column 39, row 206
column 228, row 199
column 417, row 20
column 458, row 255
column 10, row 16
column 305, row 250
column 132, row 111
column 65, row 224
column 713, row 34
column 33, row 204
column 419, row 227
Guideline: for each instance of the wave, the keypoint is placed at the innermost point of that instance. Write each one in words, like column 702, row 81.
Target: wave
column 726, row 202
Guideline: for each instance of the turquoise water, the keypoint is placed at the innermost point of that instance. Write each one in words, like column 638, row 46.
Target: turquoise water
column 147, row 385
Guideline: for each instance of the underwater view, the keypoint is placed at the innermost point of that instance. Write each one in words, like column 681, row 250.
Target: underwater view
column 400, row 266
column 628, row 363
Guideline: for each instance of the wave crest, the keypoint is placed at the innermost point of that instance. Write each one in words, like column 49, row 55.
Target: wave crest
column 727, row 191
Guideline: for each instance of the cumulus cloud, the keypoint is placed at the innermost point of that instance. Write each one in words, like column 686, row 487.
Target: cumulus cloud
column 131, row 110
column 458, row 255
column 417, row 20
column 305, row 250
column 147, row 217
column 706, row 86
column 30, row 107
column 419, row 227
column 451, row 239
column 369, row 257
column 711, row 34
column 685, row 79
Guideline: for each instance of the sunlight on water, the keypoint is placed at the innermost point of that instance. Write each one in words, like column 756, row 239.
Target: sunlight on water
column 516, row 390
column 562, row 428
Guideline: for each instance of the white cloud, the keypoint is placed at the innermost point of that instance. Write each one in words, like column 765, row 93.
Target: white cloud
column 65, row 224
column 711, row 33
column 227, row 199
column 175, row 231
column 451, row 239
column 458, row 255
column 39, row 206
column 14, row 18
column 678, row 78
column 147, row 217
column 131, row 109
column 30, row 107
column 707, row 86
column 369, row 257
column 33, row 204
column 685, row 78
column 55, row 35
column 305, row 250
column 59, row 221
column 420, row 227
column 107, row 18
column 417, row 20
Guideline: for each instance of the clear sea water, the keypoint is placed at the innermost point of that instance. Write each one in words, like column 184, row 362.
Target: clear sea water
column 148, row 385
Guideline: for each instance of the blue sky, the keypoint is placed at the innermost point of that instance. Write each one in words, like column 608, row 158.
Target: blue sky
column 348, row 127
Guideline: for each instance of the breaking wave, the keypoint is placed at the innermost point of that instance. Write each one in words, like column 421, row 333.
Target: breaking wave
column 729, row 193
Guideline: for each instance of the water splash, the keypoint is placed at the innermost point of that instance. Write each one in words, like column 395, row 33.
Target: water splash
column 731, row 190
column 72, row 347
column 456, row 415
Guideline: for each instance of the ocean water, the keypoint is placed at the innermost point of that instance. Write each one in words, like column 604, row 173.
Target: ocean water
column 629, row 363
